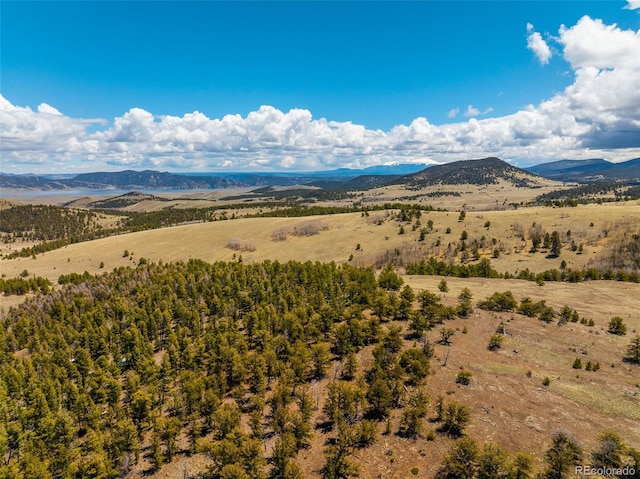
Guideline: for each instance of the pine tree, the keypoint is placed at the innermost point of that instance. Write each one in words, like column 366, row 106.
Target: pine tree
column 460, row 461
column 633, row 351
column 564, row 453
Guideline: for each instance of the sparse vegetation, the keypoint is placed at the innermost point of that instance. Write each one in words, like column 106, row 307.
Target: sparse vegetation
column 495, row 342
column 309, row 228
column 238, row 244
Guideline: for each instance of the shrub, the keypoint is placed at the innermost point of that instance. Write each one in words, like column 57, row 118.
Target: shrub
column 617, row 326
column 238, row 244
column 464, row 377
column 499, row 302
column 495, row 342
column 280, row 234
column 455, row 417
column 309, row 228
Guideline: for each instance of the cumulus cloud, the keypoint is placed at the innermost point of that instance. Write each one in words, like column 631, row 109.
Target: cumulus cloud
column 632, row 5
column 537, row 45
column 453, row 112
column 43, row 136
column 597, row 115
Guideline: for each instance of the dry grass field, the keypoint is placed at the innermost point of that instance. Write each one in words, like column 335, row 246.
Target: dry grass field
column 498, row 196
column 593, row 226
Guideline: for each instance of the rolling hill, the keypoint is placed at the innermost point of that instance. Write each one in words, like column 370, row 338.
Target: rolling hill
column 470, row 172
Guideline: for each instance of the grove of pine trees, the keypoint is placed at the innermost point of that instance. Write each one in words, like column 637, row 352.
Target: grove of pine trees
column 108, row 370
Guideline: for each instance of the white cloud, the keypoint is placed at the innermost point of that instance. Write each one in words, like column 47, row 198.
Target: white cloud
column 598, row 115
column 44, row 108
column 453, row 112
column 288, row 162
column 537, row 45
column 632, row 5
column 591, row 43
column 471, row 111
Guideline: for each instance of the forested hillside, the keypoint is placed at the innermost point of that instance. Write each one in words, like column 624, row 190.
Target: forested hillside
column 121, row 373
column 94, row 372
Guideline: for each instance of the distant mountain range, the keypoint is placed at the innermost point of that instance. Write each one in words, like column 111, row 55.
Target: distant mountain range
column 149, row 179
column 478, row 172
column 588, row 170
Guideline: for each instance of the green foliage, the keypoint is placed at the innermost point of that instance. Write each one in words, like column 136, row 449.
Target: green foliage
column 464, row 377
column 633, row 351
column 531, row 309
column 443, row 286
column 455, row 417
column 555, row 245
column 380, row 398
column 460, row 462
column 415, row 364
column 345, row 402
column 446, row 334
column 563, row 454
column 609, row 452
column 22, row 285
column 499, row 302
column 521, row 466
column 617, row 326
column 169, row 350
column 495, row 342
column 366, row 434
column 481, row 269
column 493, row 463
column 48, row 223
column 74, row 278
column 338, row 464
column 389, row 279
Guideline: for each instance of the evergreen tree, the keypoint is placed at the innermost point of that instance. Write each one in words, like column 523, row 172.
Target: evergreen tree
column 633, row 351
column 555, row 245
column 562, row 455
column 461, row 460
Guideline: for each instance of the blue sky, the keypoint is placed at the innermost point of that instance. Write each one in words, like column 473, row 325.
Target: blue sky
column 313, row 85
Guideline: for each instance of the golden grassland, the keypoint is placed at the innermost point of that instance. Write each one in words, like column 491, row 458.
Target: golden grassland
column 594, row 226
column 498, row 196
